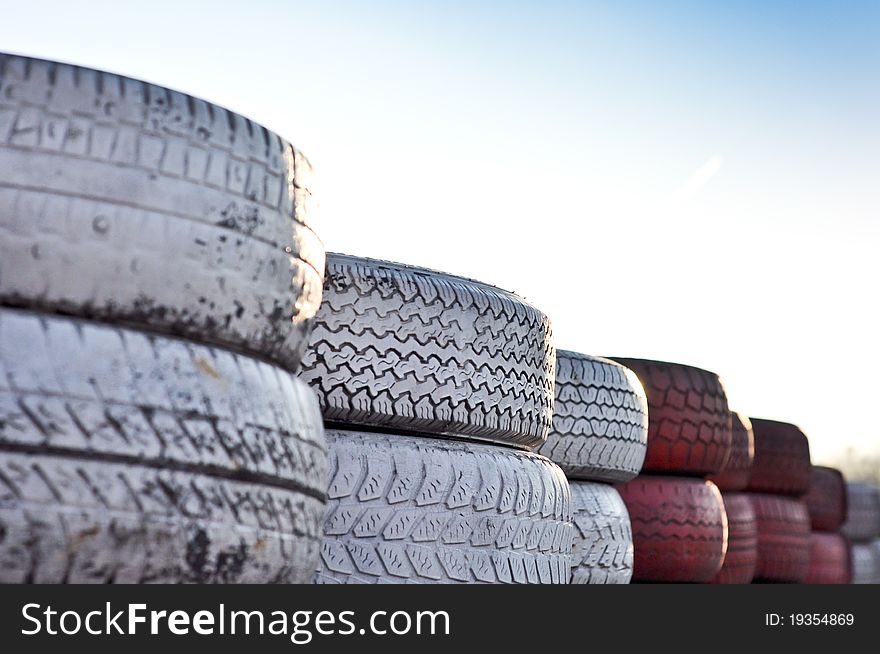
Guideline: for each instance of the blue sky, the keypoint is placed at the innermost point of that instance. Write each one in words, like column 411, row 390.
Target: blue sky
column 689, row 181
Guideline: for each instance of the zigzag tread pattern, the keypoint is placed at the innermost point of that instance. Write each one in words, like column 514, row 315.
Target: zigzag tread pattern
column 600, row 419
column 72, row 520
column 414, row 350
column 413, row 510
column 603, row 542
column 107, row 180
column 679, row 528
column 100, row 392
column 734, row 476
column 689, row 430
column 783, row 538
column 782, row 459
column 741, row 556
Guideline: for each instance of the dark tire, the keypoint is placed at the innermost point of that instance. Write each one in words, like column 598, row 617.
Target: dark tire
column 783, row 538
column 863, row 518
column 419, row 510
column 133, row 457
column 126, row 202
column 414, row 350
column 741, row 558
column 826, row 499
column 600, row 419
column 679, row 528
column 735, row 474
column 689, row 429
column 830, row 561
column 866, row 562
column 603, row 543
column 782, row 459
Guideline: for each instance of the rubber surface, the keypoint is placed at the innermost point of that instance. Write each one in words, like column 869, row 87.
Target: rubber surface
column 830, row 561
column 783, row 538
column 741, row 557
column 126, row 202
column 131, row 457
column 782, row 459
column 689, row 430
column 600, row 419
column 734, row 476
column 419, row 510
column 679, row 528
column 826, row 499
column 866, row 562
column 863, row 515
column 409, row 349
column 603, row 543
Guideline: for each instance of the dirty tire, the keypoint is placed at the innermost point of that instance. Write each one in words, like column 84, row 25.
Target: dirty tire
column 742, row 541
column 603, row 543
column 830, row 561
column 863, row 512
column 782, row 459
column 418, row 510
column 600, row 419
column 409, row 349
column 679, row 528
column 783, row 538
column 689, row 431
column 866, row 563
column 826, row 499
column 734, row 476
column 126, row 202
column 132, row 457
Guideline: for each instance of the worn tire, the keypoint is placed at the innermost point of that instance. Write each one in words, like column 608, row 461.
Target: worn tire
column 826, row 499
column 414, row 350
column 783, row 538
column 782, row 459
column 830, row 561
column 863, row 518
column 418, row 510
column 600, row 419
column 679, row 528
column 866, row 562
column 603, row 542
column 734, row 476
column 741, row 557
column 689, row 430
column 131, row 457
column 126, row 202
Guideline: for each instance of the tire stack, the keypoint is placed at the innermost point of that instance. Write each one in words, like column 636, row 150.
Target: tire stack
column 433, row 390
column 830, row 555
column 778, row 480
column 598, row 438
column 678, row 519
column 862, row 527
column 741, row 557
column 158, row 273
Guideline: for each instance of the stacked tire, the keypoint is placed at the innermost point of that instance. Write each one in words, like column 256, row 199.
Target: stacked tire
column 778, row 480
column 862, row 527
column 158, row 274
column 434, row 389
column 830, row 554
column 679, row 522
column 598, row 438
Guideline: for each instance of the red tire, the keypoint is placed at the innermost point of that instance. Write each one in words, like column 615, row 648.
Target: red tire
column 742, row 541
column 782, row 459
column 829, row 559
column 826, row 500
column 679, row 528
column 689, row 427
column 734, row 476
column 783, row 538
